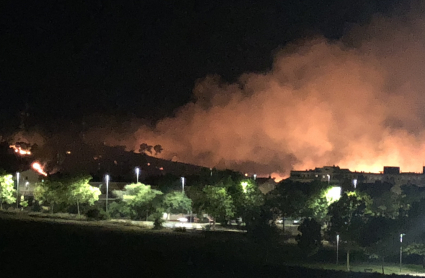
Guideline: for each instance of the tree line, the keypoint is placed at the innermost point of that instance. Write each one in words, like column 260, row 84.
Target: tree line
column 370, row 218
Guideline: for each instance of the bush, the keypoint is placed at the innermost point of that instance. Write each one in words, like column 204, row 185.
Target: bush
column 310, row 238
column 157, row 223
column 119, row 210
column 180, row 229
column 96, row 214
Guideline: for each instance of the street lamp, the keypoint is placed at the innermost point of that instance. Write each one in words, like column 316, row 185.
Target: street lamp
column 329, row 178
column 107, row 186
column 137, row 174
column 182, row 179
column 401, row 249
column 17, row 189
column 255, row 176
column 337, row 248
column 355, row 183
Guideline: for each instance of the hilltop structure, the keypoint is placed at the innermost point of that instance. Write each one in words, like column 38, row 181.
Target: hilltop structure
column 336, row 175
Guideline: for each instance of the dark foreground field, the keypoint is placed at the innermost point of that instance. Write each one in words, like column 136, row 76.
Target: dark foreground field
column 34, row 248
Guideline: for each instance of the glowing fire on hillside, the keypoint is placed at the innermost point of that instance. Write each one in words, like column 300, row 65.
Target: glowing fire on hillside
column 37, row 167
column 19, row 150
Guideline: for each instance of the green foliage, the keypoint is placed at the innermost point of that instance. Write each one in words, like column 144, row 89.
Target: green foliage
column 218, row 203
column 261, row 227
column 96, row 214
column 176, row 202
column 197, row 195
column 387, row 205
column 347, row 217
column 415, row 248
column 158, row 220
column 297, row 199
column 310, row 238
column 23, row 203
column 247, row 198
column 51, row 192
column 379, row 236
column 65, row 191
column 7, row 191
column 142, row 200
column 80, row 192
column 119, row 210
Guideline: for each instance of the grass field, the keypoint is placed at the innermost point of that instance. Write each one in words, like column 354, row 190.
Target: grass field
column 45, row 247
column 389, row 269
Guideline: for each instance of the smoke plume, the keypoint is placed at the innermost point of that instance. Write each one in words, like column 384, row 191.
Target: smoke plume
column 357, row 103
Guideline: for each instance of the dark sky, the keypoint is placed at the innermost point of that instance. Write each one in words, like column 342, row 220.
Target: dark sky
column 66, row 60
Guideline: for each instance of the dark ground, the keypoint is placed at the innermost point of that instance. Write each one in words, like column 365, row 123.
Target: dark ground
column 40, row 248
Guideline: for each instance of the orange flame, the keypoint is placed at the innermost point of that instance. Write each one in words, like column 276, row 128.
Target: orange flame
column 37, row 166
column 19, row 150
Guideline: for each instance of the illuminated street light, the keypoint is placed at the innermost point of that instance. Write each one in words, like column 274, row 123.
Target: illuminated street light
column 137, row 174
column 182, row 179
column 355, row 183
column 255, row 176
column 329, row 178
column 333, row 194
column 17, row 189
column 244, row 185
column 401, row 249
column 107, row 186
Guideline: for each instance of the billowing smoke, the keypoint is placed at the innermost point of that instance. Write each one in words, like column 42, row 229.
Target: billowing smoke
column 357, row 103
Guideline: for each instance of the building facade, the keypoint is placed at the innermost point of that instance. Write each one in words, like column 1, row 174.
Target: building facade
column 336, row 175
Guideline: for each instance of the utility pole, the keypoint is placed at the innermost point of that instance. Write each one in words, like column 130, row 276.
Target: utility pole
column 337, row 249
column 401, row 249
column 17, row 189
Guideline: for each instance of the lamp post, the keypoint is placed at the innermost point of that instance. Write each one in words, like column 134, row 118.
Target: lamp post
column 107, row 186
column 401, row 249
column 255, row 176
column 17, row 189
column 182, row 178
column 137, row 174
column 329, row 178
column 337, row 249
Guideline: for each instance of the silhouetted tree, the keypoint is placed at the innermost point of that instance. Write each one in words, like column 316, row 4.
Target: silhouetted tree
column 310, row 238
column 347, row 217
column 158, row 149
column 144, row 148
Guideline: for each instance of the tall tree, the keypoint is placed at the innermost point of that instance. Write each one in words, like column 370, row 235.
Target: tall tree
column 52, row 192
column 80, row 192
column 310, row 239
column 347, row 217
column 218, row 203
column 379, row 237
column 296, row 199
column 158, row 149
column 142, row 199
column 176, row 202
column 7, row 191
column 416, row 249
column 247, row 199
column 144, row 148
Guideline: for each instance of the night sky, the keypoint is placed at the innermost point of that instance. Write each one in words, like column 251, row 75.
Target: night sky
column 62, row 61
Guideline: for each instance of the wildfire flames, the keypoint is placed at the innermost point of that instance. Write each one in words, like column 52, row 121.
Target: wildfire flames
column 37, row 167
column 20, row 151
